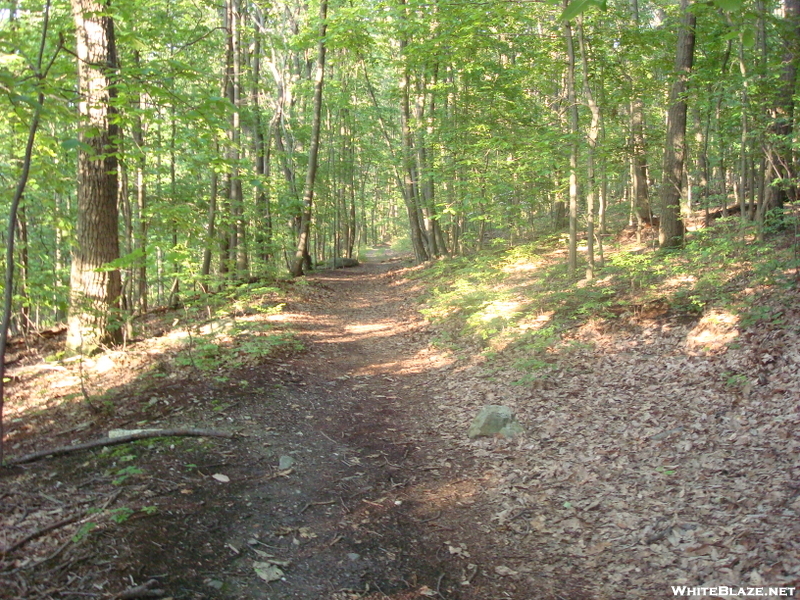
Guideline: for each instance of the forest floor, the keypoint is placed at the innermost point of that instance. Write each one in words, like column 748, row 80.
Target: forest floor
column 645, row 464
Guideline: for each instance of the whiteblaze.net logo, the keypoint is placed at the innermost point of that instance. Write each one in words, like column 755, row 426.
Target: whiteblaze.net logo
column 725, row 591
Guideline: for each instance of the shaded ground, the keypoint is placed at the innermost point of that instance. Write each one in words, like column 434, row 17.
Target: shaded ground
column 339, row 520
column 643, row 467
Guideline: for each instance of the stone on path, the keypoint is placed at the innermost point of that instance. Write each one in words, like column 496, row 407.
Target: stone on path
column 494, row 420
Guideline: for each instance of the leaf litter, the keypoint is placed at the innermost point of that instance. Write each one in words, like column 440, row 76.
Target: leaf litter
column 653, row 456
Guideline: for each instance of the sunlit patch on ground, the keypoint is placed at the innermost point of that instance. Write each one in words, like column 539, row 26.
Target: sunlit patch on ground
column 714, row 332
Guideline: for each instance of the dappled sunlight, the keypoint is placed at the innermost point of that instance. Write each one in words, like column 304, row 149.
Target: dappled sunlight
column 370, row 328
column 423, row 360
column 68, row 389
column 536, row 323
column 450, row 495
column 500, row 309
column 522, row 266
column 678, row 281
column 714, row 332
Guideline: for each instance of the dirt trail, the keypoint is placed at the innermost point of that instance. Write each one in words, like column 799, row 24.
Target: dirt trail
column 352, row 516
column 353, row 478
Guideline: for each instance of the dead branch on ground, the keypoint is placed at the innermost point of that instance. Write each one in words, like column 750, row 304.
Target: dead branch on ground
column 142, row 435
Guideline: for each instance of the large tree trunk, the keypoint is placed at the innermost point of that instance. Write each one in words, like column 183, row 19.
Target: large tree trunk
column 301, row 256
column 94, row 288
column 672, row 229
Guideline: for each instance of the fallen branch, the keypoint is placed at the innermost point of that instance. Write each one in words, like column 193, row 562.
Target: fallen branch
column 141, row 591
column 142, row 435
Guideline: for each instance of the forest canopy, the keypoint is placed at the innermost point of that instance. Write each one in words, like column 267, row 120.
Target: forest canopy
column 232, row 137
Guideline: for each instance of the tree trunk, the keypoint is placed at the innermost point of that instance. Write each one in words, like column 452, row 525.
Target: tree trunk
column 261, row 150
column 639, row 189
column 593, row 134
column 24, row 271
column 572, row 108
column 301, row 256
column 671, row 232
column 211, row 234
column 95, row 288
column 19, row 191
column 780, row 162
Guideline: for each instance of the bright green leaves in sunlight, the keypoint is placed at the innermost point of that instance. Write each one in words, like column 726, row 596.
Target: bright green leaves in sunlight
column 577, row 7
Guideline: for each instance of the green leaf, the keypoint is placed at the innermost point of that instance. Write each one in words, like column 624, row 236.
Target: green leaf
column 73, row 143
column 29, row 100
column 577, row 7
column 729, row 5
column 748, row 38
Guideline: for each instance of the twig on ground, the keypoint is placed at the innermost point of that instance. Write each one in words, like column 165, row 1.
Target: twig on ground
column 329, row 437
column 439, row 584
column 310, row 504
column 38, row 533
column 142, row 435
column 141, row 591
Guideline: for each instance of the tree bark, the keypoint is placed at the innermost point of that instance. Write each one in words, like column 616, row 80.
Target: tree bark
column 301, row 256
column 780, row 162
column 639, row 188
column 94, row 288
column 671, row 231
column 19, row 191
column 572, row 108
column 137, row 133
column 593, row 134
column 261, row 149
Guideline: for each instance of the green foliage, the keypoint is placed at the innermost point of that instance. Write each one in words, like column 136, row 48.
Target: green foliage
column 229, row 343
column 489, row 115
column 577, row 7
column 520, row 301
column 83, row 531
column 123, row 474
column 122, row 514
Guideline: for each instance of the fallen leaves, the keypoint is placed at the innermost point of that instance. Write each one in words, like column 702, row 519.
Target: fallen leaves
column 649, row 459
column 268, row 571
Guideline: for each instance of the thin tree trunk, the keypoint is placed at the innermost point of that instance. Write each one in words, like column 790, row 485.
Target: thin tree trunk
column 745, row 101
column 141, row 198
column 572, row 108
column 261, row 149
column 594, row 133
column 19, row 191
column 174, row 299
column 639, row 192
column 301, row 254
column 24, row 271
column 211, row 233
